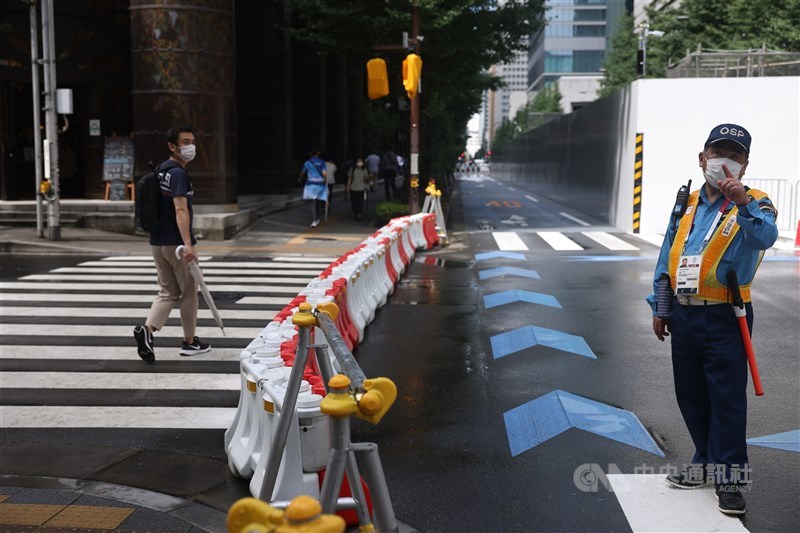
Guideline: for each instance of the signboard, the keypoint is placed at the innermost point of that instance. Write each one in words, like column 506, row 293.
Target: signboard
column 117, row 165
column 94, row 128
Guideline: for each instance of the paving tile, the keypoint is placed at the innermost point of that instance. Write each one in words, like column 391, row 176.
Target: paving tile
column 27, row 514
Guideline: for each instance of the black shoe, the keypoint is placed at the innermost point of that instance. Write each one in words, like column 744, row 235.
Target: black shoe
column 144, row 342
column 730, row 498
column 197, row 346
column 685, row 481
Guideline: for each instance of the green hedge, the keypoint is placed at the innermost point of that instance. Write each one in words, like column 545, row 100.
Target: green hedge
column 389, row 210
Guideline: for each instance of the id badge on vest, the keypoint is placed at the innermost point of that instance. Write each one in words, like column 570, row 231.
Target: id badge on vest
column 688, row 276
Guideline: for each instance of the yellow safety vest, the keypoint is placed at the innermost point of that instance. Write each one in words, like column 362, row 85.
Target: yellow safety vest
column 710, row 288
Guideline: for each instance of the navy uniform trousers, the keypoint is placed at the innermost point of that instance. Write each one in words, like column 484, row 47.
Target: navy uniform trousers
column 710, row 369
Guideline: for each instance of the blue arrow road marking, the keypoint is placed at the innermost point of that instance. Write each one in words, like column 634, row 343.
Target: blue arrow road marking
column 504, row 271
column 789, row 441
column 507, row 297
column 541, row 419
column 529, row 336
column 494, row 255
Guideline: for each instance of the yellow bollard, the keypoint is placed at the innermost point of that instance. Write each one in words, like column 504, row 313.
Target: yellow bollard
column 303, row 515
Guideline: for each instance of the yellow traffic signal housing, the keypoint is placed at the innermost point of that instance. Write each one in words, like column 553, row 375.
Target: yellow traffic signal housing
column 377, row 79
column 412, row 69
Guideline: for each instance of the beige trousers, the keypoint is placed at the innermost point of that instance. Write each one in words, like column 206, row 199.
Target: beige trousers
column 176, row 286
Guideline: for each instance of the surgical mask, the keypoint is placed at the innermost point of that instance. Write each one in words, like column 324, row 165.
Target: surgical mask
column 359, row 164
column 715, row 172
column 188, row 152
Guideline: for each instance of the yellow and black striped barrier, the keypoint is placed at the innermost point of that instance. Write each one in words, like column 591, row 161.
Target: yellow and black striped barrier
column 637, row 182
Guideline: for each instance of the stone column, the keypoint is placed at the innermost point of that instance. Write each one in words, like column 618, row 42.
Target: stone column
column 183, row 71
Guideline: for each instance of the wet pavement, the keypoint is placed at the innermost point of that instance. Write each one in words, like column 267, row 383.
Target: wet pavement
column 449, row 459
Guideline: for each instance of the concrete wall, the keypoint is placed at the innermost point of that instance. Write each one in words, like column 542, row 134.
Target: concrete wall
column 586, row 158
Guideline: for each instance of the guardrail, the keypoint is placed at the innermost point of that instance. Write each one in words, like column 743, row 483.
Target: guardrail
column 283, row 435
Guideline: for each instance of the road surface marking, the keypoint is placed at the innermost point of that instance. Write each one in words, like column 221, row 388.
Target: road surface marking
column 206, row 270
column 609, row 241
column 531, row 198
column 508, row 241
column 650, row 504
column 132, row 287
column 124, row 312
column 652, row 238
column 574, row 219
column 126, row 332
column 120, row 381
column 559, row 241
column 113, row 353
column 131, row 277
column 16, row 416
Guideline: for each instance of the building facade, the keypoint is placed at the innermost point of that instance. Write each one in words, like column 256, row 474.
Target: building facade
column 571, row 48
column 256, row 99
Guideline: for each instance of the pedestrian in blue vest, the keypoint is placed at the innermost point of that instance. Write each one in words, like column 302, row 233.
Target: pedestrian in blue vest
column 316, row 188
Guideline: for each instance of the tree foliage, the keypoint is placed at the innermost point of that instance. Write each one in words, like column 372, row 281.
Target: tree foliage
column 620, row 64
column 548, row 100
column 708, row 24
column 462, row 39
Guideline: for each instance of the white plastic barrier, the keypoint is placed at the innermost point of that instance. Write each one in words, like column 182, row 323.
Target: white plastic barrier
column 360, row 283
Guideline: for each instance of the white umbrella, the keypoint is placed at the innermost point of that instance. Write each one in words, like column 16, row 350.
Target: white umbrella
column 197, row 274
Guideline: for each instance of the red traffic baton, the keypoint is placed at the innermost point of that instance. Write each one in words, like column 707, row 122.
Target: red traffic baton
column 741, row 315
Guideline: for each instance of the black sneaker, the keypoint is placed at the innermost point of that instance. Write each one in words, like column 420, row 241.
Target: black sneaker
column 685, row 481
column 144, row 342
column 730, row 498
column 197, row 346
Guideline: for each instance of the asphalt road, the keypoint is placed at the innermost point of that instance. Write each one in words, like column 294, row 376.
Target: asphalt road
column 450, row 461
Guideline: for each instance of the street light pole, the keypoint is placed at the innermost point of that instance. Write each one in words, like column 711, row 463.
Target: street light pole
column 37, row 119
column 413, row 191
column 51, row 126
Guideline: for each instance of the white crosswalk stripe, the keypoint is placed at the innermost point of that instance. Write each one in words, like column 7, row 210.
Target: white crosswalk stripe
column 567, row 241
column 67, row 343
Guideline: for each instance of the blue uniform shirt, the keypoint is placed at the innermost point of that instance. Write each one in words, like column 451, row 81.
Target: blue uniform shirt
column 758, row 232
column 173, row 182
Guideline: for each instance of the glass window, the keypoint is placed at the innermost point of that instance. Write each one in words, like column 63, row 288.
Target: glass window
column 558, row 61
column 587, row 60
column 589, row 31
column 590, row 14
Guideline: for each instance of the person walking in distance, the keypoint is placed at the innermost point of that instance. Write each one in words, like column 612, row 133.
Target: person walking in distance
column 316, row 189
column 722, row 228
column 330, row 179
column 175, row 282
column 373, row 164
column 356, row 187
column 389, row 173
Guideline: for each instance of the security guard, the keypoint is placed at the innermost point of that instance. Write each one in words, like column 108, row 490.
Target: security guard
column 725, row 227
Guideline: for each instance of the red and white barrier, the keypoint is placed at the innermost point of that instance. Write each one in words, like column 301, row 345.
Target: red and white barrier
column 359, row 282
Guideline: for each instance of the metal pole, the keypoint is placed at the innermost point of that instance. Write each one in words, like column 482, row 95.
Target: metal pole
column 376, row 481
column 350, row 367
column 287, row 414
column 51, row 126
column 37, row 118
column 413, row 194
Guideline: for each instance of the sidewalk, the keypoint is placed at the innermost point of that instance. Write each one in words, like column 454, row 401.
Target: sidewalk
column 51, row 486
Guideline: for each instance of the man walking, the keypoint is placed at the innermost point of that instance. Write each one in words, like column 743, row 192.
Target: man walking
column 389, row 173
column 725, row 227
column 316, row 188
column 176, row 284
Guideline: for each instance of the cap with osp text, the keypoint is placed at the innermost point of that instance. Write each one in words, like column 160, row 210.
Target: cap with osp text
column 730, row 132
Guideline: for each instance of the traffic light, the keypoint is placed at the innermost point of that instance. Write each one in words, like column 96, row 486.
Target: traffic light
column 377, row 79
column 412, row 69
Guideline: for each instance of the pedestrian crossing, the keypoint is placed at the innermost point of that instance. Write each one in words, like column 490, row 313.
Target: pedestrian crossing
column 508, row 241
column 68, row 357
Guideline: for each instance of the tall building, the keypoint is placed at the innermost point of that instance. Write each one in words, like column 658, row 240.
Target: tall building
column 571, row 48
column 501, row 105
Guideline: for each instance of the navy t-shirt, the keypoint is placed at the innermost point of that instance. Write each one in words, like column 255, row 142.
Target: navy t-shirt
column 174, row 182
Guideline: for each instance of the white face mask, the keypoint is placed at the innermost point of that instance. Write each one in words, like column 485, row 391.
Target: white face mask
column 359, row 164
column 188, row 152
column 715, row 172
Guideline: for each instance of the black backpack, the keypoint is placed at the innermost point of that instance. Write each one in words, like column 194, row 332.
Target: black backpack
column 148, row 198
